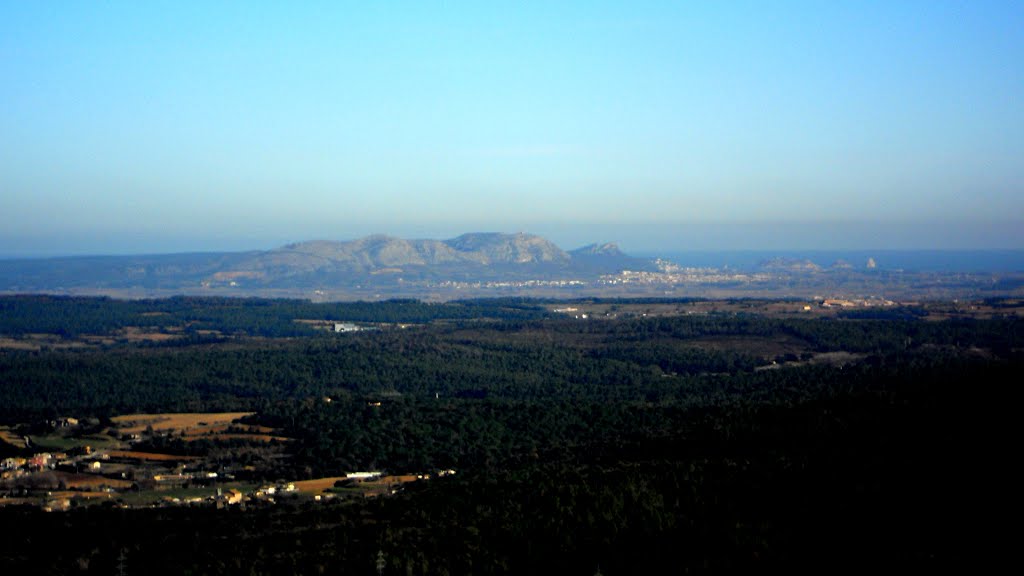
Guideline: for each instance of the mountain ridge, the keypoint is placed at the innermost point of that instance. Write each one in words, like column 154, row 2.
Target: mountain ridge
column 377, row 259
column 382, row 251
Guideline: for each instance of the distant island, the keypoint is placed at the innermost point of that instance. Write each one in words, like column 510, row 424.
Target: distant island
column 476, row 265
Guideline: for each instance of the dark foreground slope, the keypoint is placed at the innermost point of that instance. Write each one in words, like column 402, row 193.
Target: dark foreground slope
column 629, row 446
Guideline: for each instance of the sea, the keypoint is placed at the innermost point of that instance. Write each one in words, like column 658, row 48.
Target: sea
column 907, row 260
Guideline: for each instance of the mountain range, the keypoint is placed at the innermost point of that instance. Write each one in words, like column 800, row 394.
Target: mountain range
column 376, row 260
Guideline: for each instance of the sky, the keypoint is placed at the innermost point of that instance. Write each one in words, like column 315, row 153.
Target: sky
column 131, row 127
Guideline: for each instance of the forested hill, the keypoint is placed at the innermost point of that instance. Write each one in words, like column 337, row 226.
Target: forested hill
column 199, row 317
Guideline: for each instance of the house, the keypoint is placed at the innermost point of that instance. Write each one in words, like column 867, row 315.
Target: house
column 64, row 422
column 12, row 463
column 39, row 461
column 166, row 480
column 57, row 504
column 266, row 492
column 837, row 303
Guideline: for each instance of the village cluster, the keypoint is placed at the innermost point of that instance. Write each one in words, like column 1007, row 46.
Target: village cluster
column 119, row 475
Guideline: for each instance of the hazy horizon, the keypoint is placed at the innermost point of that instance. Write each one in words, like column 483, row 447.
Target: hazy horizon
column 634, row 239
column 161, row 128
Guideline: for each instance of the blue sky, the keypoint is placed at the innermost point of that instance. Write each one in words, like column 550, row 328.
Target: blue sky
column 147, row 126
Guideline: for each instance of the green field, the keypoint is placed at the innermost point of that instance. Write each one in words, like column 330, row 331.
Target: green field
column 58, row 442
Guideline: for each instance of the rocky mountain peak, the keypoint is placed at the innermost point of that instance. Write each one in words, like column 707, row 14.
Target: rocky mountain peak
column 493, row 247
column 605, row 249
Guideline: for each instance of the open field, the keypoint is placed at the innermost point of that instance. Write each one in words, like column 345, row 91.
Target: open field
column 149, row 456
column 317, row 485
column 136, row 334
column 48, row 480
column 9, row 437
column 229, row 431
column 175, row 422
column 62, row 441
column 59, row 442
column 198, row 426
column 129, row 334
column 80, row 494
column 374, row 487
column 384, row 484
column 840, row 358
column 7, row 501
column 37, row 342
column 150, row 497
column 101, row 440
column 236, row 436
column 205, row 430
column 14, row 344
column 77, row 481
column 392, row 480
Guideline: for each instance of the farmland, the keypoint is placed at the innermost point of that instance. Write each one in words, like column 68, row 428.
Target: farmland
column 120, row 464
column 11, row 438
column 193, row 423
column 87, row 454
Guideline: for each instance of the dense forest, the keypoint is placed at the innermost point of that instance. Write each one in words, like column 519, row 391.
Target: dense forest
column 70, row 316
column 712, row 443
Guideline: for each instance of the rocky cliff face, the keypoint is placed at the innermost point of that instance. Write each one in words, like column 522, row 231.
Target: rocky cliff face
column 493, row 248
